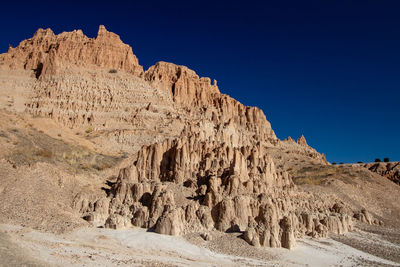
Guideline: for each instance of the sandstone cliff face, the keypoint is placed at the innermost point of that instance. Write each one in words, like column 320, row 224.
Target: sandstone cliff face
column 183, row 83
column 75, row 89
column 199, row 95
column 46, row 52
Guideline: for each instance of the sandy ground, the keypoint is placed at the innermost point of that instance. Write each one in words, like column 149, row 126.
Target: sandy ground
column 383, row 242
column 136, row 247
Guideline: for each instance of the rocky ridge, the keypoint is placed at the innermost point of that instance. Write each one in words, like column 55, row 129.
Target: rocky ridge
column 199, row 160
column 45, row 53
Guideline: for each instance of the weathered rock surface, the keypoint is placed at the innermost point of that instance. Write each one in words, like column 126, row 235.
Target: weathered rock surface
column 190, row 91
column 183, row 83
column 76, row 89
column 302, row 141
column 191, row 184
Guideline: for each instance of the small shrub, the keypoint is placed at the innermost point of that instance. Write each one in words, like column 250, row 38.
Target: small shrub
column 378, row 160
column 45, row 153
column 89, row 130
column 113, row 71
column 386, row 160
column 360, row 162
column 333, row 163
column 341, row 163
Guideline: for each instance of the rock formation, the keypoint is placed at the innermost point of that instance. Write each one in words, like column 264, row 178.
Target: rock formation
column 45, row 52
column 302, row 141
column 190, row 91
column 190, row 184
column 199, row 160
column 184, row 84
column 75, row 88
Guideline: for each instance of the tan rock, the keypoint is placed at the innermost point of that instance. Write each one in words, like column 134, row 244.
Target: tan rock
column 184, row 84
column 251, row 237
column 288, row 239
column 206, row 236
column 170, row 223
column 302, row 141
column 364, row 216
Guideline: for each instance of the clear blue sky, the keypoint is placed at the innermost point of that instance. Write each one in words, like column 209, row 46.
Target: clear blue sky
column 327, row 69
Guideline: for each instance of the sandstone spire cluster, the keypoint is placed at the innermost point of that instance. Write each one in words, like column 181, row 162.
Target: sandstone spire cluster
column 195, row 185
column 198, row 160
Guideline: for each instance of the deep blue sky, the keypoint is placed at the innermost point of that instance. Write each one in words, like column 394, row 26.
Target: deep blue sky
column 327, row 69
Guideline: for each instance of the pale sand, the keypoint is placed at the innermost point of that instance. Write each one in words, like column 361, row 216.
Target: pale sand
column 136, row 247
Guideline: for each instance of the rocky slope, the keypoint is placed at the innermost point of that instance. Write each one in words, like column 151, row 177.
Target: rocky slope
column 190, row 158
column 390, row 170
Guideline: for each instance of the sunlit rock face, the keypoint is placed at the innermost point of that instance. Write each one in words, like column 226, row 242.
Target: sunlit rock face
column 46, row 52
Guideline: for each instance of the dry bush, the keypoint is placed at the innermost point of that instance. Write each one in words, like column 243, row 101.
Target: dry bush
column 45, row 153
column 89, row 130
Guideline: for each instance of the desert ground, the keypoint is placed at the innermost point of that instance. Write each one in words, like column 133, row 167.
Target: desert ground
column 137, row 247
